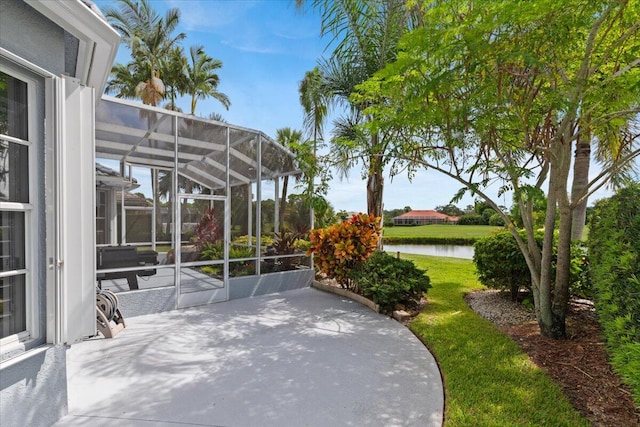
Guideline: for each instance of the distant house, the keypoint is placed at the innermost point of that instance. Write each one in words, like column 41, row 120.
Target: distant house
column 423, row 218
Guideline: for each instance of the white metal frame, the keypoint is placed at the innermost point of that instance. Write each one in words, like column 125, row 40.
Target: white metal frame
column 30, row 210
column 208, row 296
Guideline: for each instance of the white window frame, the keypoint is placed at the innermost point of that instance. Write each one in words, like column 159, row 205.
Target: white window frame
column 31, row 210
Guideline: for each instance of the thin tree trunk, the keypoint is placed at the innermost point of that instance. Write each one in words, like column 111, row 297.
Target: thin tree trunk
column 563, row 266
column 283, row 201
column 580, row 182
column 554, row 301
column 375, row 181
column 543, row 308
column 375, row 184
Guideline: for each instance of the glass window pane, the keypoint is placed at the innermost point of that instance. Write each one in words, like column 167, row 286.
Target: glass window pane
column 138, row 226
column 13, row 107
column 12, row 236
column 13, row 315
column 14, row 172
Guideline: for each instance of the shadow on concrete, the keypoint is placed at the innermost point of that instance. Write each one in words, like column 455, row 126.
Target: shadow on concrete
column 301, row 357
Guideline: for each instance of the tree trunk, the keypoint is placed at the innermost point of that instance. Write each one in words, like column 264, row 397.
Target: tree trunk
column 375, row 184
column 580, row 182
column 554, row 300
column 283, row 201
column 563, row 267
column 543, row 308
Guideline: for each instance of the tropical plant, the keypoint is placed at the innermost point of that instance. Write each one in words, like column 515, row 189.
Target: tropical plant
column 208, row 230
column 201, row 78
column 285, row 244
column 173, row 69
column 149, row 37
column 391, row 282
column 290, row 139
column 343, row 247
column 364, row 34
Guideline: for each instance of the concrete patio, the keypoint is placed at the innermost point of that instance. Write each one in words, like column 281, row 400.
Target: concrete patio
column 298, row 358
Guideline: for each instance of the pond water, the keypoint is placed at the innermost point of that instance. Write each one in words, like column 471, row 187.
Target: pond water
column 453, row 251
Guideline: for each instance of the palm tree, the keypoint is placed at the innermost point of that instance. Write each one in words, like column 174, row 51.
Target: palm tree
column 215, row 116
column 149, row 37
column 365, row 34
column 290, row 139
column 202, row 79
column 314, row 104
column 124, row 79
column 173, row 70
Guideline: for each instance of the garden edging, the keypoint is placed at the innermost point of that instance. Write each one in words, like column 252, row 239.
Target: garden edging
column 347, row 294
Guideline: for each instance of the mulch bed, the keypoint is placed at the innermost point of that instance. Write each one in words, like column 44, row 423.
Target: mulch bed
column 580, row 366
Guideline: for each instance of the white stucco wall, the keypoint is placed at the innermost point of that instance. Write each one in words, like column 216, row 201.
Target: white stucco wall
column 33, row 389
column 28, row 34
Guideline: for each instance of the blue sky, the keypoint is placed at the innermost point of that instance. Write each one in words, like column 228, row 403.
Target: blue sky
column 266, row 47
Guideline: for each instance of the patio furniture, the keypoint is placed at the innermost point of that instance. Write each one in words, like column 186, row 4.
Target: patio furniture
column 109, row 257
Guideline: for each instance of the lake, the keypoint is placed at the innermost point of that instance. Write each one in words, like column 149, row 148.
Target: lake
column 452, row 251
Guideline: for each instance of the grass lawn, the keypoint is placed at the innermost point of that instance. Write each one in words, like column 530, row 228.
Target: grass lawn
column 437, row 233
column 488, row 380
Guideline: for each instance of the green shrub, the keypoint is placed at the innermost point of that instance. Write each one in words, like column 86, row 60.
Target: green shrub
column 302, row 245
column 614, row 255
column 244, row 240
column 581, row 284
column 471, row 219
column 487, row 214
column 496, row 220
column 500, row 263
column 626, row 360
column 215, row 251
column 389, row 281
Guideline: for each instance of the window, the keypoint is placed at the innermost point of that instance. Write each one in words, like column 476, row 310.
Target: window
column 102, row 220
column 15, row 207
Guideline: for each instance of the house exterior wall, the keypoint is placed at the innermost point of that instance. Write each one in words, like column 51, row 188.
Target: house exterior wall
column 34, row 388
column 45, row 44
column 33, row 375
column 38, row 51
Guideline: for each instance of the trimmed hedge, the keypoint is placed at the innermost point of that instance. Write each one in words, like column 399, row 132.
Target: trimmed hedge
column 501, row 265
column 471, row 219
column 430, row 240
column 614, row 254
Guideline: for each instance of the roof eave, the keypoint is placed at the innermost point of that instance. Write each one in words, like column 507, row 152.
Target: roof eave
column 98, row 40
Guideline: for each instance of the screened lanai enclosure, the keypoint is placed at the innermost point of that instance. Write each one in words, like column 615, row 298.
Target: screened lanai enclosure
column 187, row 210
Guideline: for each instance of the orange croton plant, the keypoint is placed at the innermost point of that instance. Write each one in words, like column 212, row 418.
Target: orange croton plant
column 340, row 248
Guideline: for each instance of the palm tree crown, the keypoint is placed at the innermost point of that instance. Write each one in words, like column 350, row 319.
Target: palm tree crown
column 149, row 37
column 202, row 80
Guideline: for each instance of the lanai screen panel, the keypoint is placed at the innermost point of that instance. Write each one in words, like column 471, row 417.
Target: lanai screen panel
column 133, row 134
column 140, row 134
column 202, row 152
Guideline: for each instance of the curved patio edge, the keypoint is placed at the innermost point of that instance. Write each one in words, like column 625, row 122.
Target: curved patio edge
column 347, row 294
